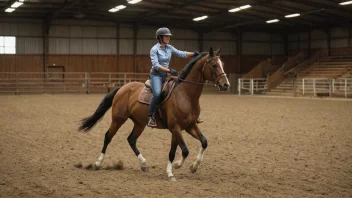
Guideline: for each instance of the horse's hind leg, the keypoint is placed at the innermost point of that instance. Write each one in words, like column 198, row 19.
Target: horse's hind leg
column 114, row 127
column 132, row 140
column 196, row 133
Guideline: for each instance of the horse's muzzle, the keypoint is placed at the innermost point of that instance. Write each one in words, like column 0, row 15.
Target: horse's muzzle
column 224, row 87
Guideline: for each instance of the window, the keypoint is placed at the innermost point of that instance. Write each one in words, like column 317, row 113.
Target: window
column 7, row 45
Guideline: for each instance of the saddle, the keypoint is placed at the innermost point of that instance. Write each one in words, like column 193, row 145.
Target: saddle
column 146, row 94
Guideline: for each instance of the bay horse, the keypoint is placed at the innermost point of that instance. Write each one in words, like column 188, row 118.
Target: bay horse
column 182, row 110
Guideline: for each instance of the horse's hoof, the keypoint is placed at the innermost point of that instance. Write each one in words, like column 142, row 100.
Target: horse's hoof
column 193, row 170
column 172, row 178
column 96, row 166
column 176, row 165
column 145, row 169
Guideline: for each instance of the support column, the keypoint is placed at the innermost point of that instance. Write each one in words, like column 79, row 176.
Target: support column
column 309, row 42
column 239, row 50
column 285, row 44
column 117, row 47
column 135, row 31
column 46, row 30
column 201, row 41
column 349, row 37
column 329, row 41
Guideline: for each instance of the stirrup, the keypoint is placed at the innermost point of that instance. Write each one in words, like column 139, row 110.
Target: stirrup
column 151, row 122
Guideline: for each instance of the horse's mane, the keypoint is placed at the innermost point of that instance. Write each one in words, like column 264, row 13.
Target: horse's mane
column 184, row 73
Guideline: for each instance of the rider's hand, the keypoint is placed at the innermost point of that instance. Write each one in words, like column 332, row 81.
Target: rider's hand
column 195, row 54
column 173, row 72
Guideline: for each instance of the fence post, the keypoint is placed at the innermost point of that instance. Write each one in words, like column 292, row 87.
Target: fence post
column 251, row 86
column 345, row 87
column 86, row 82
column 239, row 86
column 109, row 85
column 330, row 86
column 302, row 86
column 45, row 82
column 314, row 91
column 16, row 92
column 333, row 86
column 124, row 79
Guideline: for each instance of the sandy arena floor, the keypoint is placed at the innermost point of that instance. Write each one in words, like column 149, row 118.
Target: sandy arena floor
column 258, row 147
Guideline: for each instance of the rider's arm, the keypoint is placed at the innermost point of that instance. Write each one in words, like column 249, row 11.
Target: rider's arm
column 182, row 54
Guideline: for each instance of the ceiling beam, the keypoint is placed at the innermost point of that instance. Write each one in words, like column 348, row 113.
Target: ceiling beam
column 159, row 11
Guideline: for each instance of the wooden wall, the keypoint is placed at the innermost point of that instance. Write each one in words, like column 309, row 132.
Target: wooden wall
column 122, row 63
column 21, row 63
column 108, row 63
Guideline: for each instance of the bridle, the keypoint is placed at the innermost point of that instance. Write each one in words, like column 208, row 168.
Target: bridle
column 213, row 74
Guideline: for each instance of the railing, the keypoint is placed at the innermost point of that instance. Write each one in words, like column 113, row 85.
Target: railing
column 252, row 85
column 326, row 86
column 339, row 87
column 65, row 82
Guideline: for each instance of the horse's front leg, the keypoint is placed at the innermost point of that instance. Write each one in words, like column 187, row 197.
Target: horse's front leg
column 196, row 133
column 182, row 145
column 172, row 153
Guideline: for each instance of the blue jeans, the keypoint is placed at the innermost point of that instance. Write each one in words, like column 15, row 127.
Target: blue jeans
column 156, row 82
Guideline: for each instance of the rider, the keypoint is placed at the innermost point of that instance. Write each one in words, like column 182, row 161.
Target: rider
column 160, row 55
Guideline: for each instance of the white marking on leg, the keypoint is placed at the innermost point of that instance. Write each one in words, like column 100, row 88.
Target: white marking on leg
column 100, row 160
column 169, row 170
column 141, row 159
column 199, row 158
column 179, row 163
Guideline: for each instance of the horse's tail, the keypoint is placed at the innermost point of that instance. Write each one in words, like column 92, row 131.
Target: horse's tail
column 89, row 122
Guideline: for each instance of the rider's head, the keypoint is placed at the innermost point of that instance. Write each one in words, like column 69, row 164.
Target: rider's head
column 163, row 35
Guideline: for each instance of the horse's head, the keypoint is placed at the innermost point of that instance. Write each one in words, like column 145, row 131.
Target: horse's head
column 213, row 70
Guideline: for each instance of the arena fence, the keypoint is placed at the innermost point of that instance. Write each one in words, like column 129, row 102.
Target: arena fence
column 252, row 85
column 65, row 82
column 78, row 82
column 338, row 87
column 326, row 86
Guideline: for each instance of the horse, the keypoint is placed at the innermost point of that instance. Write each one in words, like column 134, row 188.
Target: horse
column 182, row 110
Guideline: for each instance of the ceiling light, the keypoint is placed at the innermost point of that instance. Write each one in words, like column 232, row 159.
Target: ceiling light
column 120, row 7
column 16, row 4
column 245, row 7
column 292, row 15
column 346, row 3
column 273, row 21
column 133, row 1
column 21, row 0
column 240, row 8
column 113, row 10
column 9, row 10
column 200, row 18
column 235, row 10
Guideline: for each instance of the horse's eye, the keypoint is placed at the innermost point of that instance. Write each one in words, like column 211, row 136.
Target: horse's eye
column 215, row 65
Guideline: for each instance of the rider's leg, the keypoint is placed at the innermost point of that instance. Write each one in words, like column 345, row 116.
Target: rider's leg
column 156, row 83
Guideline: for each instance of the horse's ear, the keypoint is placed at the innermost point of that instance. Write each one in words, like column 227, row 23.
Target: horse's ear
column 211, row 52
column 217, row 52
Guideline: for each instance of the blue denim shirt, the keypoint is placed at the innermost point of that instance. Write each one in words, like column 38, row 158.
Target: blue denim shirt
column 162, row 56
